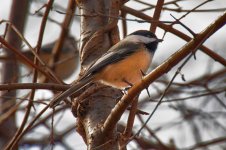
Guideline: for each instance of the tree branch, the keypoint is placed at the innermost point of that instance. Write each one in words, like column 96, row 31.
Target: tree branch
column 173, row 60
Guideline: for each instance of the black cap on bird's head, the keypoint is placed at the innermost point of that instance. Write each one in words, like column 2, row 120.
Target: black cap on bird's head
column 144, row 33
column 146, row 37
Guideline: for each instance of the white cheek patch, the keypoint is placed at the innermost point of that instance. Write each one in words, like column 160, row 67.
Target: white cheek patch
column 138, row 38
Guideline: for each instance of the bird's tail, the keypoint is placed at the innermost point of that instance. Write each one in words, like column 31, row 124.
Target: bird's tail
column 74, row 88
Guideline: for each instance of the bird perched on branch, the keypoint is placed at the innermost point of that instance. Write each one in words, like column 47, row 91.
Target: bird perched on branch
column 68, row 58
column 121, row 66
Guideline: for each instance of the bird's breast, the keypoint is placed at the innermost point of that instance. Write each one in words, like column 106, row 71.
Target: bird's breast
column 126, row 71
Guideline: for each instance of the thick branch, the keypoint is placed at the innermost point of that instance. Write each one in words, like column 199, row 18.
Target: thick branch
column 190, row 47
column 170, row 29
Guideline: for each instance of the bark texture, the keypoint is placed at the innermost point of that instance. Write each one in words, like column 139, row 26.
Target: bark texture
column 96, row 39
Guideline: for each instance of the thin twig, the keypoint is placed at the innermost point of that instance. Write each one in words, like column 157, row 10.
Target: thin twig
column 19, row 132
column 163, row 95
column 156, row 15
column 95, row 14
column 180, row 34
column 128, row 130
column 48, row 86
column 31, row 48
column 122, row 105
column 206, row 143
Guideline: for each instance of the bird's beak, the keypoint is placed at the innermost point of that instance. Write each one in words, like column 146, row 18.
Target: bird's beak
column 159, row 40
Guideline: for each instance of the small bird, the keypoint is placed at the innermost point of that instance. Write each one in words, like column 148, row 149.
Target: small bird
column 122, row 65
column 68, row 58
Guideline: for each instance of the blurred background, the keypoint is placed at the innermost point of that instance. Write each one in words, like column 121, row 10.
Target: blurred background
column 193, row 110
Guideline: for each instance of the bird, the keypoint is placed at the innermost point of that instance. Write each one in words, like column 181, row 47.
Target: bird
column 121, row 66
column 68, row 58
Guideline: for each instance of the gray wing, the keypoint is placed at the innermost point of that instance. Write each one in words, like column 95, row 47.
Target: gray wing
column 112, row 56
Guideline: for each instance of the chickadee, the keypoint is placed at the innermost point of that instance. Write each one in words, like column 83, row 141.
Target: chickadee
column 68, row 58
column 122, row 65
